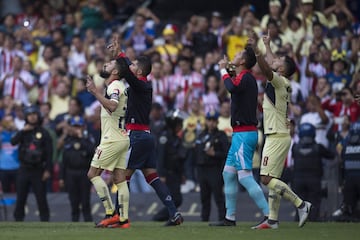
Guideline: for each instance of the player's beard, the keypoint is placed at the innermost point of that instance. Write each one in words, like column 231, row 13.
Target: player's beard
column 104, row 74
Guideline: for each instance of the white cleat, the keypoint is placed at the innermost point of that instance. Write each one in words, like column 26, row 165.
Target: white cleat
column 304, row 213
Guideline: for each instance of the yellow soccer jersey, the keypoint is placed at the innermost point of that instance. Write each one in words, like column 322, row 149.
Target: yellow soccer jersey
column 275, row 106
column 113, row 123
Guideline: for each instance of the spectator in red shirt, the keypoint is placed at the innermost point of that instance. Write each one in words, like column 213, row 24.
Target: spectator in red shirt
column 346, row 106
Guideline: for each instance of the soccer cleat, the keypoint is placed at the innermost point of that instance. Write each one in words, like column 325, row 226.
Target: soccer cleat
column 108, row 220
column 123, row 224
column 264, row 224
column 224, row 223
column 304, row 213
column 177, row 219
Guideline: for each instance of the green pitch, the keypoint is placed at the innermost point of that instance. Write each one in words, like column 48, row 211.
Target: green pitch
column 187, row 231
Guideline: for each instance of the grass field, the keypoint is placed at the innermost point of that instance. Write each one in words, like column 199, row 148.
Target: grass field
column 187, row 231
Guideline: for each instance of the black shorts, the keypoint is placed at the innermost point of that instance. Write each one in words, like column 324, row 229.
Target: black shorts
column 142, row 150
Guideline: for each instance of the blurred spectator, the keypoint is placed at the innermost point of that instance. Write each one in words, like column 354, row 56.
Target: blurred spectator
column 316, row 116
column 77, row 61
column 198, row 33
column 73, row 109
column 9, row 24
column 217, row 26
column 139, row 36
column 59, row 99
column 187, row 85
column 294, row 32
column 346, row 106
column 92, row 15
column 322, row 89
column 45, row 60
column 19, row 117
column 249, row 20
column 9, row 160
column 233, row 37
column 192, row 126
column 7, row 104
column 45, row 109
column 169, row 47
column 69, row 28
column 338, row 76
column 276, row 13
column 8, row 53
column 342, row 30
column 339, row 7
column 210, row 99
column 309, row 16
column 224, row 121
column 30, row 16
column 82, row 94
column 277, row 40
column 17, row 82
column 160, row 85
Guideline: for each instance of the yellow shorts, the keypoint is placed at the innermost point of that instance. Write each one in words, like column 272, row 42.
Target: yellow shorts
column 275, row 151
column 111, row 155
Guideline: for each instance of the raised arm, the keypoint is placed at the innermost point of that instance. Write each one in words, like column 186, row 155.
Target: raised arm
column 108, row 104
column 263, row 65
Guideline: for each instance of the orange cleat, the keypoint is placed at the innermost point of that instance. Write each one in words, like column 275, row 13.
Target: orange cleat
column 108, row 220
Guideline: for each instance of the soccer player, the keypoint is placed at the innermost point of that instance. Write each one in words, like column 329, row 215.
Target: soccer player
column 277, row 70
column 238, row 165
column 142, row 142
column 111, row 154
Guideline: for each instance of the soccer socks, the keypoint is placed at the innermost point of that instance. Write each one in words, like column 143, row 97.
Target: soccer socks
column 102, row 191
column 284, row 190
column 163, row 192
column 255, row 192
column 230, row 189
column 123, row 200
column 274, row 204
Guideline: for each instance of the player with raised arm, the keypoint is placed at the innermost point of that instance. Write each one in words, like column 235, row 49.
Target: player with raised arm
column 277, row 70
column 238, row 166
column 142, row 143
column 111, row 154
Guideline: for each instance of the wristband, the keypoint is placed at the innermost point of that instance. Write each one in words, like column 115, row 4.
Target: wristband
column 223, row 71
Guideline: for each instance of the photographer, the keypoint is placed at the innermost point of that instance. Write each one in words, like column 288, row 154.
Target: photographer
column 35, row 155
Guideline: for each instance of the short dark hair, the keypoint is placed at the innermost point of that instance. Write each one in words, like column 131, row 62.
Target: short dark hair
column 250, row 58
column 144, row 64
column 290, row 66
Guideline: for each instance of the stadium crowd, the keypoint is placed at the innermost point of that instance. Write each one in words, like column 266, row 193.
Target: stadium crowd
column 48, row 49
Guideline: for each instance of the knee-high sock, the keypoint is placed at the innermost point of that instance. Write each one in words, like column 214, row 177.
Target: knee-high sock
column 117, row 193
column 163, row 193
column 102, row 191
column 231, row 190
column 123, row 200
column 255, row 192
column 274, row 204
column 284, row 191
